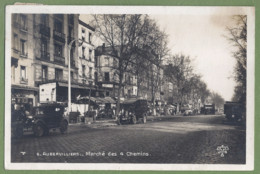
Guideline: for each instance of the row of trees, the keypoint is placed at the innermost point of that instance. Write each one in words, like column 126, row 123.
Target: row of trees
column 140, row 46
column 237, row 36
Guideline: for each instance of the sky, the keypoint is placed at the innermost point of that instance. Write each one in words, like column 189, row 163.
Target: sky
column 202, row 38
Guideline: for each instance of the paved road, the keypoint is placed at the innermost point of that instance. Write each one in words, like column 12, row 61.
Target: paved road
column 192, row 139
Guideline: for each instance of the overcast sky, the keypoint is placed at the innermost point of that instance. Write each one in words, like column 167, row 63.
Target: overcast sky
column 201, row 38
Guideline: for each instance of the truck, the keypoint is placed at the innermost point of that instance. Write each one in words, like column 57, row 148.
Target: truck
column 233, row 110
column 208, row 109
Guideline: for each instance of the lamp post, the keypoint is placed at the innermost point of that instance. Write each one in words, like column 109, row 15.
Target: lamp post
column 69, row 77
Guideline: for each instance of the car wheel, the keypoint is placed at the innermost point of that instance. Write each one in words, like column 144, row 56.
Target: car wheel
column 134, row 120
column 144, row 119
column 63, row 126
column 39, row 130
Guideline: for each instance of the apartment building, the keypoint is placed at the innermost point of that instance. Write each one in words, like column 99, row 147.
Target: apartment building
column 86, row 61
column 40, row 52
column 106, row 63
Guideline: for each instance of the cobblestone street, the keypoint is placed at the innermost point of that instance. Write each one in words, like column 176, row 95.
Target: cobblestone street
column 177, row 139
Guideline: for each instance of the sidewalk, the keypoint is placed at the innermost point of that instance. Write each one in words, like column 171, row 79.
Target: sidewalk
column 110, row 122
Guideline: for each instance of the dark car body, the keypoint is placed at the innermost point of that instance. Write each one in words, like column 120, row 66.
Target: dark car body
column 133, row 110
column 233, row 111
column 49, row 116
column 208, row 109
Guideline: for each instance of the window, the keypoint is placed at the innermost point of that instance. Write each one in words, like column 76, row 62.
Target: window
column 16, row 42
column 23, row 73
column 106, row 61
column 96, row 77
column 96, row 61
column 71, row 32
column 23, row 46
column 107, row 76
column 90, row 55
column 71, row 19
column 83, row 52
column 23, row 24
column 58, row 74
column 83, row 70
column 71, row 75
column 107, row 93
column 83, row 34
column 90, row 72
column 58, row 50
column 89, row 37
column 44, row 73
column 44, row 48
column 58, row 26
column 45, row 19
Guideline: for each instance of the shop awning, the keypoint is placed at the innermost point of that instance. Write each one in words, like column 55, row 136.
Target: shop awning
column 98, row 100
column 28, row 88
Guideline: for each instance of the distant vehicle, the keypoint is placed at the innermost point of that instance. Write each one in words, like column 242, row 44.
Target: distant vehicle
column 133, row 110
column 49, row 116
column 188, row 112
column 105, row 113
column 208, row 109
column 233, row 111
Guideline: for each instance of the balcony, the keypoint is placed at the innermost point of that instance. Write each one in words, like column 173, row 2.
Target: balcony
column 45, row 56
column 59, row 36
column 59, row 59
column 45, row 30
column 23, row 80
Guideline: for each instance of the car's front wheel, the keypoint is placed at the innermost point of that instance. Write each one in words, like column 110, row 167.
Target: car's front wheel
column 39, row 130
column 63, row 126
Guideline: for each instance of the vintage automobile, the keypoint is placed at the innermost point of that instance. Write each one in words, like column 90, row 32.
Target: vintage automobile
column 208, row 109
column 18, row 119
column 133, row 110
column 105, row 113
column 234, row 111
column 47, row 117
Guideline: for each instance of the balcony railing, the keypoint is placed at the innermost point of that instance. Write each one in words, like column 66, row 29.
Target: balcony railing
column 59, row 36
column 45, row 56
column 23, row 80
column 59, row 59
column 45, row 30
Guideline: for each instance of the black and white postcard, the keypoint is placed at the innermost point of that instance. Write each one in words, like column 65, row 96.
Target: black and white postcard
column 129, row 88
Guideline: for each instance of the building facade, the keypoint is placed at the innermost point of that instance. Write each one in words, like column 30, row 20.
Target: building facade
column 107, row 76
column 40, row 52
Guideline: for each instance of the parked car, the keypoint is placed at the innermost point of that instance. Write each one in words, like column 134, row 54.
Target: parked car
column 133, row 110
column 19, row 120
column 105, row 113
column 47, row 117
column 188, row 112
column 234, row 111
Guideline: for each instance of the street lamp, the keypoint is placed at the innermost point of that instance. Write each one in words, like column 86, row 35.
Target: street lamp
column 69, row 79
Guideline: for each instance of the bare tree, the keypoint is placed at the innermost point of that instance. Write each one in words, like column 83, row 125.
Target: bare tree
column 178, row 71
column 128, row 36
column 217, row 99
column 237, row 35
